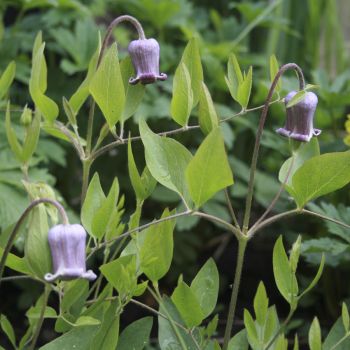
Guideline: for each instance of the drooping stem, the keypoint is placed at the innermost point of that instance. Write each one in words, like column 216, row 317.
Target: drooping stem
column 41, row 318
column 242, row 245
column 18, row 224
column 259, row 134
column 113, row 24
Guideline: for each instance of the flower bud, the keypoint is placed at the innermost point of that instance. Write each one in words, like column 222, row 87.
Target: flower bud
column 299, row 124
column 67, row 244
column 144, row 55
column 26, row 117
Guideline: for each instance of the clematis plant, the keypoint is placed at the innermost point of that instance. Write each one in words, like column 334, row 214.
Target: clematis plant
column 137, row 255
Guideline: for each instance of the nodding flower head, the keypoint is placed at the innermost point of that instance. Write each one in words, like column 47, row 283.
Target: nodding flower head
column 299, row 124
column 67, row 244
column 144, row 55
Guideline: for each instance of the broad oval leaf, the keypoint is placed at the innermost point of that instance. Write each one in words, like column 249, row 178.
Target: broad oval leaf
column 209, row 171
column 107, row 87
column 320, row 175
column 167, row 160
column 156, row 252
column 136, row 335
column 187, row 304
column 208, row 118
column 285, row 278
column 191, row 58
column 205, row 287
column 93, row 200
column 133, row 93
column 182, row 100
column 37, row 86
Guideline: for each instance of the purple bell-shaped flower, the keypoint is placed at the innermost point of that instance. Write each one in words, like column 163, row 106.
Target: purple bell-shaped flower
column 67, row 244
column 299, row 124
column 144, row 55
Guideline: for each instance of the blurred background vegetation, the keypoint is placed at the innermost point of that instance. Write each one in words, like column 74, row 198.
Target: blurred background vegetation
column 314, row 34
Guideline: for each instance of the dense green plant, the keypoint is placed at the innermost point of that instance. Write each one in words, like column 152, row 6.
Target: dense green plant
column 133, row 266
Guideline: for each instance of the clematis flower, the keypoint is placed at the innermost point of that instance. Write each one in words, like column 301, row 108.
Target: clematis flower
column 144, row 55
column 299, row 124
column 67, row 244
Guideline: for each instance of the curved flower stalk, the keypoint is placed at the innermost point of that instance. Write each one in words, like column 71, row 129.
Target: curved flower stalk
column 145, row 59
column 299, row 123
column 67, row 244
column 15, row 230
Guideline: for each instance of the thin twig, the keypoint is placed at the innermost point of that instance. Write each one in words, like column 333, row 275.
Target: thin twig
column 140, row 228
column 230, row 208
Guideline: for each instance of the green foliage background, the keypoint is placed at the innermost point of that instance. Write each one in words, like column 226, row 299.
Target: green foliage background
column 310, row 33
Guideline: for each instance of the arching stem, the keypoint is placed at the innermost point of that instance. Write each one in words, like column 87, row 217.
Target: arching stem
column 259, row 134
column 15, row 230
column 113, row 24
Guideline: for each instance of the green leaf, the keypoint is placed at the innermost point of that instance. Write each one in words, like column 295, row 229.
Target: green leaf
column 182, row 100
column 37, row 86
column 336, row 333
column 104, row 213
column 191, row 58
column 252, row 333
column 345, row 317
column 43, row 67
column 274, row 68
column 133, row 93
column 87, row 321
column 16, row 263
column 202, row 174
column 136, row 335
column 187, row 304
column 107, row 87
column 320, row 175
column 298, row 97
column 296, row 343
column 8, row 329
column 166, row 334
column 305, row 151
column 295, row 254
column 156, row 252
column 82, row 93
column 37, row 251
column 15, row 146
column 234, row 76
column 142, row 185
column 93, row 201
column 108, row 334
column 205, row 286
column 208, row 119
column 166, row 159
column 245, row 88
column 315, row 341
column 121, row 274
column 32, row 137
column 79, row 338
column 239, row 341
column 6, row 78
column 261, row 304
column 70, row 113
column 316, row 278
column 285, row 278
column 271, row 325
